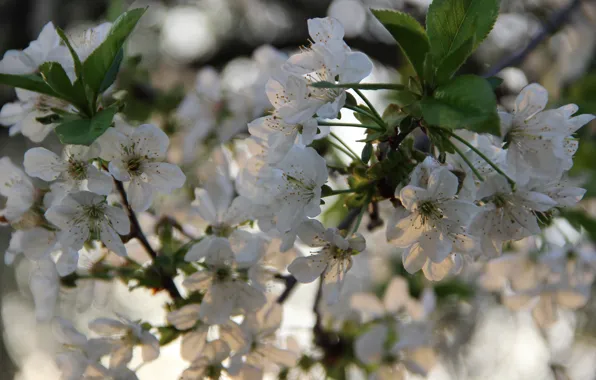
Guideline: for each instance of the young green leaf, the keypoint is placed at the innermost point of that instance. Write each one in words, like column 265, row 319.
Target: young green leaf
column 30, row 82
column 75, row 57
column 408, row 33
column 100, row 68
column 86, row 131
column 450, row 23
column 367, row 152
column 453, row 61
column 466, row 102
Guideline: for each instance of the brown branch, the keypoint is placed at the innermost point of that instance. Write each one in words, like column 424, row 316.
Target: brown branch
column 555, row 23
column 137, row 233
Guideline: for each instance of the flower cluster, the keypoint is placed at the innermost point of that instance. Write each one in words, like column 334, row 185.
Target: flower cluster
column 249, row 218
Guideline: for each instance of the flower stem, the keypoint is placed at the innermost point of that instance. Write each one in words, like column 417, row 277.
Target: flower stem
column 332, row 124
column 483, row 156
column 360, row 215
column 371, row 107
column 466, row 159
column 363, row 86
column 351, row 152
column 366, row 113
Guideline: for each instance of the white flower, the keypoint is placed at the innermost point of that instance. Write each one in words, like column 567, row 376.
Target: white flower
column 83, row 355
column 17, row 188
column 291, row 97
column 280, row 136
column 506, row 215
column 123, row 336
column 260, row 346
column 432, row 222
column 21, row 116
column 84, row 215
column 135, row 157
column 329, row 59
column 209, row 364
column 86, row 42
column 395, row 300
column 193, row 341
column 46, row 48
column 74, row 168
column 539, row 142
column 224, row 290
column 45, row 286
column 296, row 183
column 332, row 261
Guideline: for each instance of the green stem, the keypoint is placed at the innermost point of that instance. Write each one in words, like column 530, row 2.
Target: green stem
column 370, row 106
column 331, row 124
column 362, row 86
column 466, row 159
column 364, row 112
column 342, row 191
column 341, row 148
column 359, row 220
column 483, row 156
column 345, row 145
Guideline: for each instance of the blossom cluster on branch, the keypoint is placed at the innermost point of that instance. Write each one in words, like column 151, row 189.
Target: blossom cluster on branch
column 457, row 179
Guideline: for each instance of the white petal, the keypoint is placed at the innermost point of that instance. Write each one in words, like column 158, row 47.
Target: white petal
column 111, row 239
column 118, row 219
column 41, row 163
column 308, row 269
column 150, row 141
column 98, row 181
column 163, row 176
column 185, row 317
column 369, row 346
column 140, row 195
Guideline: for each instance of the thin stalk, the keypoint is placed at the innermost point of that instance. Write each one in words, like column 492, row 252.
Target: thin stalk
column 370, row 105
column 364, row 112
column 360, row 215
column 342, row 149
column 467, row 160
column 362, row 86
column 340, row 191
column 332, row 124
column 344, row 144
column 478, row 152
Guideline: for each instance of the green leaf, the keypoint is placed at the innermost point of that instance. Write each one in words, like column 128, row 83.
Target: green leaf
column 167, row 334
column 429, row 69
column 100, row 67
column 31, row 82
column 75, row 57
column 408, row 33
column 367, row 152
column 112, row 73
column 86, row 131
column 453, row 61
column 450, row 23
column 466, row 102
column 55, row 76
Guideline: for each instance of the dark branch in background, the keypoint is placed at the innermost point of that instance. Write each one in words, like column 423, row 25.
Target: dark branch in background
column 558, row 20
column 137, row 233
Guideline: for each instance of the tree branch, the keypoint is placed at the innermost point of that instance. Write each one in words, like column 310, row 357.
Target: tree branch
column 137, row 232
column 555, row 23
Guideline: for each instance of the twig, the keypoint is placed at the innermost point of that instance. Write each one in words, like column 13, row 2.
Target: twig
column 550, row 27
column 137, row 232
column 290, row 284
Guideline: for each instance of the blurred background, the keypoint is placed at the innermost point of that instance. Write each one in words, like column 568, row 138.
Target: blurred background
column 176, row 38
